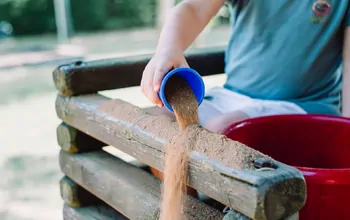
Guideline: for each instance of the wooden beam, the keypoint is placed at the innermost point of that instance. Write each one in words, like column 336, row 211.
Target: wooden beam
column 74, row 195
column 258, row 194
column 128, row 189
column 81, row 204
column 90, row 77
column 73, row 141
column 101, row 212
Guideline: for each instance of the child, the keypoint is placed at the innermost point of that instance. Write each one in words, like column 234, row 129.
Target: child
column 283, row 57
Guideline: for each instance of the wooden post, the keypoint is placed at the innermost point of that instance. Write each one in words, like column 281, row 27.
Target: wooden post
column 258, row 194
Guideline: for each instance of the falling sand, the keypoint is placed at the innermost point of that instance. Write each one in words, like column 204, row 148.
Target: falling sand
column 184, row 103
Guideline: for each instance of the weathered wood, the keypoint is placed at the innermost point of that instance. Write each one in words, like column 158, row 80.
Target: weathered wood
column 100, row 212
column 130, row 190
column 74, row 195
column 257, row 194
column 293, row 217
column 90, row 77
column 73, row 141
column 81, row 204
column 232, row 215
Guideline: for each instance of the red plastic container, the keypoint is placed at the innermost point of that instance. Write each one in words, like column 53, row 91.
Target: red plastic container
column 318, row 145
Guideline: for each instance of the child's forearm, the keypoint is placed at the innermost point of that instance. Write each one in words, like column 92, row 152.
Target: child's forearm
column 185, row 23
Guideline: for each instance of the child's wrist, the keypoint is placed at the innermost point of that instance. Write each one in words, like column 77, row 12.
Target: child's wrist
column 168, row 50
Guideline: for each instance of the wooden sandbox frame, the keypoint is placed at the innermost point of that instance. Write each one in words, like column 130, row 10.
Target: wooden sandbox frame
column 98, row 185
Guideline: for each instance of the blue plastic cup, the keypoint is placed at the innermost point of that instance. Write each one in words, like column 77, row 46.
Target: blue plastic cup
column 193, row 79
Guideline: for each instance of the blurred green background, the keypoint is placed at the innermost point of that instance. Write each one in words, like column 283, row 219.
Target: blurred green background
column 33, row 17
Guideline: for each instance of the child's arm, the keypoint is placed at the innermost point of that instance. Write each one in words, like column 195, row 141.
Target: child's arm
column 346, row 74
column 183, row 25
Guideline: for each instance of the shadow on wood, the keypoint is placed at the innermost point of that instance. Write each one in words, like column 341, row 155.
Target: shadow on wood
column 101, row 212
column 81, row 204
column 75, row 195
column 72, row 140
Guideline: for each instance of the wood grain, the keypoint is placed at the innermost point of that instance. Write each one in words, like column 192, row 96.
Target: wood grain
column 128, row 189
column 90, row 77
column 256, row 194
column 98, row 212
column 74, row 195
column 73, row 141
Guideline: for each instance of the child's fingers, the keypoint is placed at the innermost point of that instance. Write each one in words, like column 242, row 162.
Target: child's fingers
column 147, row 89
column 158, row 77
column 147, row 86
column 153, row 96
column 145, row 76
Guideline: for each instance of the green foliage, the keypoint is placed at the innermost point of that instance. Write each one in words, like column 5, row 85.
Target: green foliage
column 28, row 16
column 131, row 13
column 89, row 15
column 37, row 16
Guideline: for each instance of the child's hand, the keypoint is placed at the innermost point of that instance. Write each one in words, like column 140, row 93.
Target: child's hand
column 156, row 69
column 175, row 38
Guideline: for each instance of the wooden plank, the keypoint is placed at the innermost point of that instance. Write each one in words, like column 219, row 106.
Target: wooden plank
column 81, row 204
column 128, row 189
column 257, row 194
column 73, row 141
column 293, row 217
column 232, row 215
column 90, row 77
column 101, row 212
column 74, row 195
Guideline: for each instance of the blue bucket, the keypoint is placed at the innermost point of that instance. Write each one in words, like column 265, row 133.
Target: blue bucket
column 193, row 79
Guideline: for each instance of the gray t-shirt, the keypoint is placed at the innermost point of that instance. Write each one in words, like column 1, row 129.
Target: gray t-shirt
column 288, row 50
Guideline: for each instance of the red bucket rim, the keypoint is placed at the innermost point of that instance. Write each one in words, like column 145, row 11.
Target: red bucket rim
column 327, row 175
